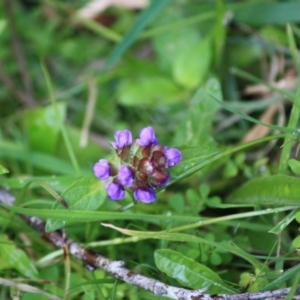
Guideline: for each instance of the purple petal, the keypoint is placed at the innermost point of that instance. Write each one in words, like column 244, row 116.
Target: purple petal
column 115, row 191
column 145, row 195
column 147, row 137
column 102, row 169
column 125, row 176
column 123, row 138
column 174, row 156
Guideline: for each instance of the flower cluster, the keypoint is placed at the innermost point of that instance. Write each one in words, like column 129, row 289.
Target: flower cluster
column 142, row 168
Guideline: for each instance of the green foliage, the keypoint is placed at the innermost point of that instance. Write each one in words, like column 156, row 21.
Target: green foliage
column 278, row 190
column 13, row 257
column 188, row 272
column 185, row 69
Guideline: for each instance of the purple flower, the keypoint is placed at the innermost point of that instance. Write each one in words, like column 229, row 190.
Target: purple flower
column 174, row 156
column 123, row 138
column 125, row 176
column 102, row 169
column 147, row 137
column 145, row 195
column 115, row 191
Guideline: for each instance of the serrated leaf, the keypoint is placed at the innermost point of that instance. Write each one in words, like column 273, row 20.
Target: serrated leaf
column 188, row 272
column 86, row 194
column 277, row 190
column 16, row 258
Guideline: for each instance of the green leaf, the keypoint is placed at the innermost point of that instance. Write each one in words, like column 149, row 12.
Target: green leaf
column 277, row 190
column 43, row 122
column 294, row 165
column 71, row 216
column 151, row 90
column 3, row 170
column 85, row 194
column 280, row 281
column 37, row 159
column 58, row 183
column 253, row 282
column 16, row 258
column 170, row 34
column 195, row 129
column 219, row 31
column 294, row 113
column 279, row 227
column 181, row 237
column 192, row 65
column 3, row 24
column 188, row 272
column 193, row 159
column 296, row 242
column 268, row 13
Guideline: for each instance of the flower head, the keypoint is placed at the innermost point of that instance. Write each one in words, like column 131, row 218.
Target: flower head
column 102, row 169
column 142, row 166
column 123, row 138
column 147, row 137
column 173, row 156
column 145, row 195
column 125, row 176
column 115, row 191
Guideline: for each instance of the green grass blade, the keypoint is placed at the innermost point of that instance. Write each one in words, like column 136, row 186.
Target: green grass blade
column 294, row 115
column 62, row 126
column 142, row 21
column 182, row 237
column 282, row 279
column 254, row 79
column 100, row 29
column 248, row 118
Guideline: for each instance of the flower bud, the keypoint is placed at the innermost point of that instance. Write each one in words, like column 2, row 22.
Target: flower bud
column 145, row 195
column 123, row 139
column 174, row 156
column 115, row 191
column 147, row 137
column 125, row 176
